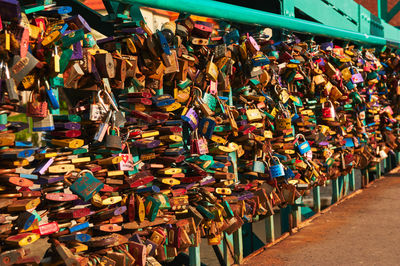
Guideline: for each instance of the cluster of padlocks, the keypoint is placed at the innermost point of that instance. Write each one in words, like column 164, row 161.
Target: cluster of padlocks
column 175, row 135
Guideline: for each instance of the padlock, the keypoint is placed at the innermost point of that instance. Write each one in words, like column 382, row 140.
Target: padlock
column 75, row 73
column 356, row 76
column 276, row 170
column 171, row 196
column 86, row 185
column 10, row 83
column 356, row 97
column 282, row 93
column 304, row 146
column 258, row 166
column 207, row 127
column 113, row 142
column 51, row 95
column 283, row 120
column 126, row 163
column 36, row 108
column 198, row 145
column 328, row 111
column 119, row 117
column 43, row 123
column 253, row 115
column 192, row 118
column 103, row 127
column 205, row 107
column 212, row 70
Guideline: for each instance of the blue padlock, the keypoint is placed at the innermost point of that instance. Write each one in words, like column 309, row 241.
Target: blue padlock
column 289, row 173
column 304, row 146
column 51, row 95
column 163, row 43
column 276, row 170
column 232, row 37
column 206, row 127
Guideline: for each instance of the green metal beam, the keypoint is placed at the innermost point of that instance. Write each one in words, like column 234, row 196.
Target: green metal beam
column 382, row 9
column 239, row 14
column 324, row 13
column 392, row 12
column 287, row 8
column 350, row 8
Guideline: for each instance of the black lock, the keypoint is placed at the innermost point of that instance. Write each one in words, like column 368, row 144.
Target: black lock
column 113, row 142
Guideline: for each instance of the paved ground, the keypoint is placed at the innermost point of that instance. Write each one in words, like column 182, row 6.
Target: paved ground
column 364, row 229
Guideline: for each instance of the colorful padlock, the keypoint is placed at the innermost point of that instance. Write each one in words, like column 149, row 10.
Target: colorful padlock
column 276, row 170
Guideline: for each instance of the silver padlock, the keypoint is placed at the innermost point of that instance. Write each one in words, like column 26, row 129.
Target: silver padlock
column 43, row 123
column 119, row 117
column 10, row 84
column 103, row 128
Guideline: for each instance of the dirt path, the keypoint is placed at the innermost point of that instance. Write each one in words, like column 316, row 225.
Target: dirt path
column 364, row 229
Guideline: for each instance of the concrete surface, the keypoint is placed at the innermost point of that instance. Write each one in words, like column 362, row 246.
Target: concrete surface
column 361, row 230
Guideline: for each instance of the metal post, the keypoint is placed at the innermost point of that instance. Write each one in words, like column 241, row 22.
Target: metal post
column 335, row 190
column 364, row 177
column 285, row 224
column 194, row 256
column 341, row 186
column 397, row 157
column 389, row 163
column 385, row 165
column 345, row 185
column 296, row 212
column 238, row 246
column 378, row 170
column 269, row 229
column 317, row 199
column 352, row 180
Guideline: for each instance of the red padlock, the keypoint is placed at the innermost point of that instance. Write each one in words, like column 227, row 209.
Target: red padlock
column 328, row 111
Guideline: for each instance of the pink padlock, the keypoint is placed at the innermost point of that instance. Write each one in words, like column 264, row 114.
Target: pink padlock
column 126, row 163
column 252, row 45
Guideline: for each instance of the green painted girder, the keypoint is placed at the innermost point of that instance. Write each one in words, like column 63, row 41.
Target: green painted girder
column 325, row 14
column 383, row 11
column 367, row 22
column 347, row 15
column 250, row 16
column 347, row 7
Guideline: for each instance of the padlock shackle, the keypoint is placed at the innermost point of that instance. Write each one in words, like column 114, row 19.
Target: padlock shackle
column 46, row 84
column 113, row 128
column 113, row 104
column 6, row 70
column 199, row 90
column 127, row 146
column 101, row 100
column 272, row 157
column 84, row 171
column 300, row 135
column 329, row 101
